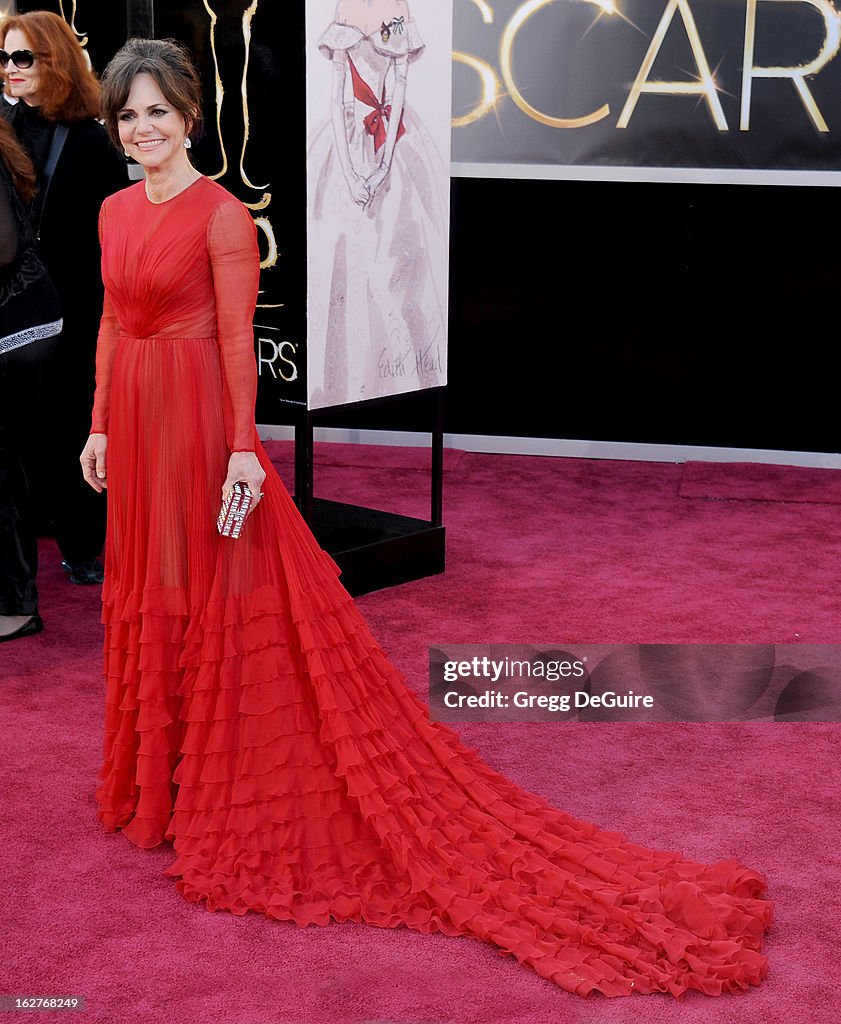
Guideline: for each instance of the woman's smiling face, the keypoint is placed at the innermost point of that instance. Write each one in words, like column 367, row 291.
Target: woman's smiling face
column 152, row 130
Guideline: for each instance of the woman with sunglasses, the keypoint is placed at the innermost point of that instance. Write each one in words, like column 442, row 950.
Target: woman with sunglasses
column 55, row 117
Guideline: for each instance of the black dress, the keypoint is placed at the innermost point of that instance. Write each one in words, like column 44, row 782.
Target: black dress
column 88, row 170
column 30, row 319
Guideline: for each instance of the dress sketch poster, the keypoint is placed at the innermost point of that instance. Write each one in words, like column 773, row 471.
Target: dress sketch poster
column 378, row 152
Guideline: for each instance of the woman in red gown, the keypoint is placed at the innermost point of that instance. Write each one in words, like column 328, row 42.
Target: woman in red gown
column 251, row 719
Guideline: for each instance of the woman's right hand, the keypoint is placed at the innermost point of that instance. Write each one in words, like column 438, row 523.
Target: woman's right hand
column 359, row 191
column 93, row 462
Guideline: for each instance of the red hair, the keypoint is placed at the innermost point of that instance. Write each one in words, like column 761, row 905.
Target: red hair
column 17, row 162
column 67, row 88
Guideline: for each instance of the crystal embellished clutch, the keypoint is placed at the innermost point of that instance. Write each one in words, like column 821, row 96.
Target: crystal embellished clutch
column 234, row 510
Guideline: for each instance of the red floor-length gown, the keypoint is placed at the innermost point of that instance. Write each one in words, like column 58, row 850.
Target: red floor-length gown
column 253, row 720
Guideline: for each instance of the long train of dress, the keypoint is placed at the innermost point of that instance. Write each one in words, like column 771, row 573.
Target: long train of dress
column 252, row 719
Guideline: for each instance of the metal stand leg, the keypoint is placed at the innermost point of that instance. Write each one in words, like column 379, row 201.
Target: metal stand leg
column 436, row 515
column 304, row 467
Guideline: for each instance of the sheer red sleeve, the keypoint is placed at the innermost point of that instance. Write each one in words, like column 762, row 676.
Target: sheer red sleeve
column 235, row 261
column 106, row 346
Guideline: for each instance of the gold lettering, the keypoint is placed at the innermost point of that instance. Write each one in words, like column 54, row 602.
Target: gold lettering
column 490, row 88
column 220, row 90
column 247, row 18
column 704, row 86
column 278, row 352
column 261, row 359
column 521, row 15
column 71, row 21
column 261, row 203
column 265, row 225
column 281, row 351
column 246, row 38
column 489, row 82
column 485, row 10
column 831, row 42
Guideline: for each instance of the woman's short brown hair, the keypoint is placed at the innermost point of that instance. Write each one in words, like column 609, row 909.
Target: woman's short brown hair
column 169, row 63
column 67, row 88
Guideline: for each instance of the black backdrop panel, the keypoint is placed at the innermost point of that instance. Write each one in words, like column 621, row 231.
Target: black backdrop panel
column 260, row 159
column 633, row 312
column 684, row 314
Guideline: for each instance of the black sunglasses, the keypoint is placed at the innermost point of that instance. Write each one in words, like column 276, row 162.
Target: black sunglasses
column 22, row 59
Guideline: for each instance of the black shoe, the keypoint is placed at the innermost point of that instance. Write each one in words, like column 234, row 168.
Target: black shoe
column 35, row 625
column 84, row 572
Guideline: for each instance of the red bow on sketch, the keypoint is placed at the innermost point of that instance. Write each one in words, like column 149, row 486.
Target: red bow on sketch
column 376, row 123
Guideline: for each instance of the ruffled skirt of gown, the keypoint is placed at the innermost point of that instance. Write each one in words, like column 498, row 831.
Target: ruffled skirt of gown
column 253, row 720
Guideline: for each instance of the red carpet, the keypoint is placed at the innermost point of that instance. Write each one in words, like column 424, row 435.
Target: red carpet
column 753, row 481
column 539, row 551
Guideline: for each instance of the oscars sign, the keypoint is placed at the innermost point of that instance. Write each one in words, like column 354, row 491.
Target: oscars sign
column 716, row 84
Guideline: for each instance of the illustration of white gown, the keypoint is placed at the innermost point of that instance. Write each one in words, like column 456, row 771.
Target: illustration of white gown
column 378, row 275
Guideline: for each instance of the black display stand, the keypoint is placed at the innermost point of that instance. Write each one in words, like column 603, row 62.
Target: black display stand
column 374, row 548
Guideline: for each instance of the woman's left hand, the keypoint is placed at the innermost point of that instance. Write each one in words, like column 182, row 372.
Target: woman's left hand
column 245, row 467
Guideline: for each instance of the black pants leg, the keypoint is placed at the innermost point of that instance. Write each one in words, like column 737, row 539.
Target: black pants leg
column 78, row 513
column 22, row 377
